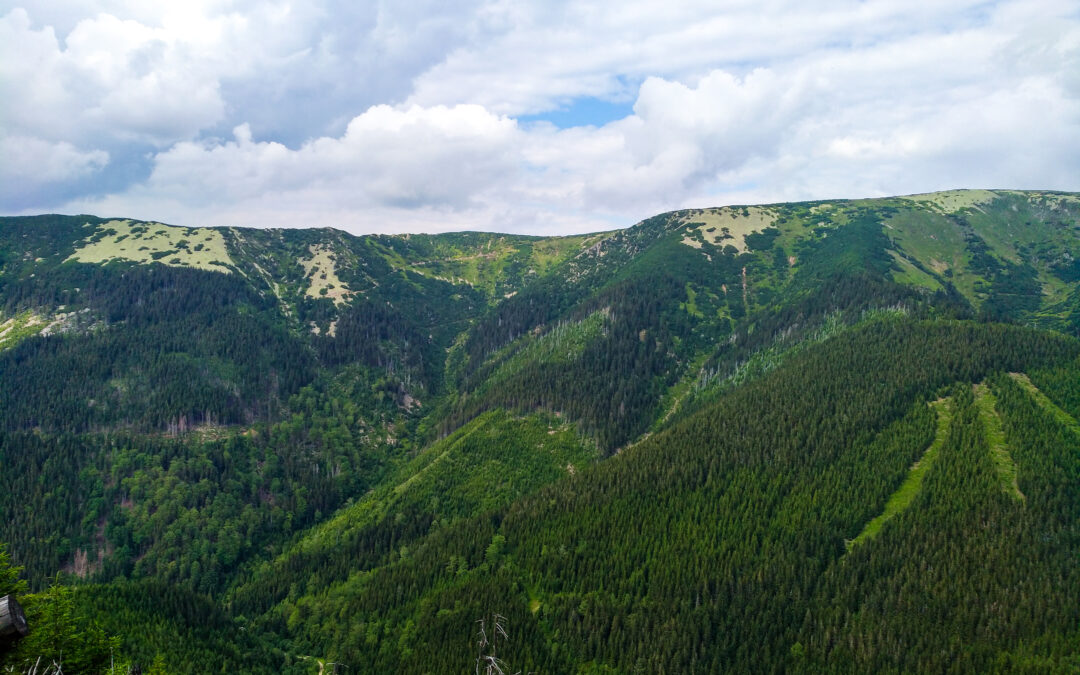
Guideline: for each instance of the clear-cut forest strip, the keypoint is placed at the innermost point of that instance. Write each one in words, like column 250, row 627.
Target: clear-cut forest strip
column 995, row 438
column 1043, row 400
column 900, row 500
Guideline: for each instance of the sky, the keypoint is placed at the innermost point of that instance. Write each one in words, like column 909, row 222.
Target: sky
column 527, row 116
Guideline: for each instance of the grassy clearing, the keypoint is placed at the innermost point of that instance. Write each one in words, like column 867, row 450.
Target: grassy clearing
column 549, row 252
column 912, row 276
column 1018, row 227
column 951, row 201
column 485, row 264
column 929, row 237
column 691, row 302
column 28, row 324
column 1060, row 415
column 1019, row 224
column 1056, row 200
column 986, row 403
column 479, row 268
column 321, row 272
column 938, row 243
column 937, row 240
column 725, row 226
column 905, row 494
column 200, row 247
column 19, row 327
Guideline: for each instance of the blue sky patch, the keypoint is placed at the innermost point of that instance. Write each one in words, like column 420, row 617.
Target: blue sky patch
column 582, row 112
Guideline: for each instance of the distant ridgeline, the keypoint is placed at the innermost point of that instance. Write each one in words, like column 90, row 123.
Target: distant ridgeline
column 826, row 436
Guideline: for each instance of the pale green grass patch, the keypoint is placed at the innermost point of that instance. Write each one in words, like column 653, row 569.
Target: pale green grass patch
column 27, row 324
column 951, row 201
column 691, row 302
column 1049, row 199
column 321, row 272
column 900, row 500
column 19, row 327
column 929, row 237
column 549, row 252
column 200, row 247
column 479, row 268
column 484, row 266
column 986, row 403
column 938, row 243
column 725, row 226
column 911, row 275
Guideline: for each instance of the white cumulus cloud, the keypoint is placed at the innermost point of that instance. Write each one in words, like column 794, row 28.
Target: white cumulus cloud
column 31, row 163
column 404, row 116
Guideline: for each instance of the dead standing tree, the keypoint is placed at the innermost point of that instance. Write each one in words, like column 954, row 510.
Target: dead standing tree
column 490, row 664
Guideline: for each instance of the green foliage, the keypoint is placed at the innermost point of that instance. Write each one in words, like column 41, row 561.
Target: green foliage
column 1010, row 611
column 986, row 402
column 264, row 470
column 167, row 629
column 762, row 241
column 482, row 467
column 905, row 494
column 10, row 581
column 166, row 348
column 190, row 510
column 19, row 327
column 62, row 634
column 724, row 525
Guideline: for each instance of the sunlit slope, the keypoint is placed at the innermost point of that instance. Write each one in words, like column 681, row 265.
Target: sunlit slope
column 1012, row 254
column 725, row 285
column 1009, row 253
column 203, row 248
column 732, row 525
column 481, row 468
column 974, row 575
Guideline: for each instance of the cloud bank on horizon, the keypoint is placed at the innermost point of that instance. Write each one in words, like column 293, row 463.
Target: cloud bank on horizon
column 524, row 116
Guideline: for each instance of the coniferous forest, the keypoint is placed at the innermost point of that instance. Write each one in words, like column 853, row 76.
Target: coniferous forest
column 836, row 436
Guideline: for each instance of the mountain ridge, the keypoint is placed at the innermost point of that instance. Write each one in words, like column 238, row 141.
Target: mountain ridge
column 354, row 446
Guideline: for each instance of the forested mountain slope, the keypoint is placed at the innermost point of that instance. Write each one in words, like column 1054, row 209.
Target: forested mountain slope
column 820, row 436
